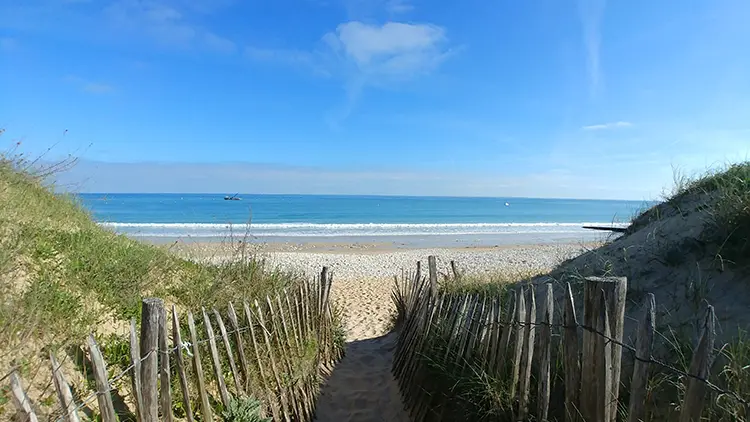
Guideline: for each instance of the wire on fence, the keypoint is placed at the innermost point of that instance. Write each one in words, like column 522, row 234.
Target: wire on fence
column 627, row 347
column 124, row 372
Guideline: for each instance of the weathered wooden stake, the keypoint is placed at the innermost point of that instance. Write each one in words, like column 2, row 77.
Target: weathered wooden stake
column 265, row 382
column 206, row 411
column 615, row 289
column 643, row 343
column 700, row 366
column 64, row 395
column 572, row 358
column 510, row 324
column 165, row 376
column 456, row 274
column 103, row 396
column 282, row 388
column 527, row 357
column 180, row 365
column 520, row 329
column 151, row 308
column 432, row 266
column 135, row 360
column 230, row 355
column 21, row 399
column 218, row 372
column 596, row 374
column 545, row 357
column 234, row 323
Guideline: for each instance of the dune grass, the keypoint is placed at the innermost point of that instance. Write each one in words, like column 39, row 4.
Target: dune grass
column 723, row 196
column 62, row 276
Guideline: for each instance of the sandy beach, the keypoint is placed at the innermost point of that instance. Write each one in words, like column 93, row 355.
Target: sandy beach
column 361, row 387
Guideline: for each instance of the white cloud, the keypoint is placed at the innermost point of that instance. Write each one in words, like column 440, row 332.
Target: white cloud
column 415, row 46
column 611, row 125
column 362, row 55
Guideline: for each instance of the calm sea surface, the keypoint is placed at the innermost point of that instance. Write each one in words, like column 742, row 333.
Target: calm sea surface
column 320, row 216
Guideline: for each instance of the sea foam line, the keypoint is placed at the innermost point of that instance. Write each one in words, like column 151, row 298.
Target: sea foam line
column 334, row 226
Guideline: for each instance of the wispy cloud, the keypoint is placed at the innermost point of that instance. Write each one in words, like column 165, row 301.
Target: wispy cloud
column 89, row 86
column 605, row 126
column 396, row 7
column 167, row 24
column 591, row 13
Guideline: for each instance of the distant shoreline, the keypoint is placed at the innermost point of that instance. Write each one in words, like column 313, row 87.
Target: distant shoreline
column 201, row 248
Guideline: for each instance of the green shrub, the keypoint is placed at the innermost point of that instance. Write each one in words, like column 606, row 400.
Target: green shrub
column 244, row 409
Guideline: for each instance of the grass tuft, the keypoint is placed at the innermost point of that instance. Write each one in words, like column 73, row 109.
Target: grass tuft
column 722, row 197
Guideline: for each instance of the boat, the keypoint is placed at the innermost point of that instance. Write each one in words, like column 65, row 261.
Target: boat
column 233, row 197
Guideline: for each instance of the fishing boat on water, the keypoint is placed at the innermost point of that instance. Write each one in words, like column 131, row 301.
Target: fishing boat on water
column 233, row 197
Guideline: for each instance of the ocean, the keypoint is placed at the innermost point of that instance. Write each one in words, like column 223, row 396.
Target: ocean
column 424, row 220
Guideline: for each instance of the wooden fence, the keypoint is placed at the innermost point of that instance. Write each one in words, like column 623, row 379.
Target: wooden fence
column 274, row 350
column 509, row 344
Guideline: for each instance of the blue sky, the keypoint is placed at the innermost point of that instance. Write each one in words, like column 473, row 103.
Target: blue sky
column 586, row 98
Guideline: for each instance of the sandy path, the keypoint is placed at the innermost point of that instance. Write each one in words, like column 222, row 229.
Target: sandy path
column 362, row 387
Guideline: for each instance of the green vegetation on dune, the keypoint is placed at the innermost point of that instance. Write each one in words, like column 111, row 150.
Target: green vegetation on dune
column 63, row 276
column 723, row 200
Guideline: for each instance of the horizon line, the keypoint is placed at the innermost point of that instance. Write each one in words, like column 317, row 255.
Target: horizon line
column 364, row 195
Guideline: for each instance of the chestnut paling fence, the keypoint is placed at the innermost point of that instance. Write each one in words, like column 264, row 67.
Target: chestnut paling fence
column 274, row 350
column 514, row 340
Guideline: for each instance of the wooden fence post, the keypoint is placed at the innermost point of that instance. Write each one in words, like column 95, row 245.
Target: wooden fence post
column 643, row 343
column 284, row 359
column 510, row 322
column 230, row 355
column 700, row 365
column 572, row 358
column 615, row 290
column 180, row 365
column 283, row 393
column 151, row 308
column 234, row 323
column 519, row 337
column 265, row 382
column 135, row 360
column 596, row 373
column 432, row 267
column 64, row 395
column 527, row 357
column 21, row 399
column 165, row 376
column 454, row 269
column 545, row 356
column 218, row 372
column 103, row 396
column 206, row 412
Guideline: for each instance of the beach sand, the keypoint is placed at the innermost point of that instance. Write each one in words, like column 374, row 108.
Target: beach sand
column 361, row 387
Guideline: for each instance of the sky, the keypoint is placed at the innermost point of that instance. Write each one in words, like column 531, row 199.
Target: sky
column 537, row 98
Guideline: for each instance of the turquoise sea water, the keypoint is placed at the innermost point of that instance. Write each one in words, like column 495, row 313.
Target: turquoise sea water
column 207, row 216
